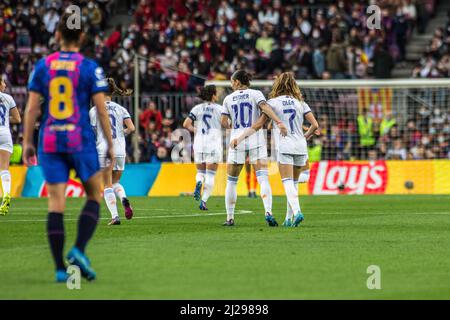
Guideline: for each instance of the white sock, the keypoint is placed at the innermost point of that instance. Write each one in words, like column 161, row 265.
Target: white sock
column 110, row 199
column 291, row 194
column 200, row 176
column 304, row 176
column 119, row 190
column 289, row 212
column 6, row 182
column 231, row 196
column 265, row 191
column 209, row 184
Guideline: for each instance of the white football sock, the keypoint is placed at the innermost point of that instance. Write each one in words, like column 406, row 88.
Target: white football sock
column 265, row 191
column 200, row 176
column 291, row 194
column 289, row 212
column 110, row 199
column 231, row 196
column 6, row 182
column 209, row 184
column 304, row 176
column 119, row 190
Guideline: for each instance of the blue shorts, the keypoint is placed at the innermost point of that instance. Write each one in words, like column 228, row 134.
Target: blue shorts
column 56, row 166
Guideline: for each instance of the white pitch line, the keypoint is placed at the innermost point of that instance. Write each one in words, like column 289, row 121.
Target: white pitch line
column 238, row 212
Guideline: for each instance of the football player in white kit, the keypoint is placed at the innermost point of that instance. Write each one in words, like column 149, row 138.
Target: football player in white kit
column 119, row 118
column 8, row 114
column 292, row 154
column 242, row 108
column 204, row 122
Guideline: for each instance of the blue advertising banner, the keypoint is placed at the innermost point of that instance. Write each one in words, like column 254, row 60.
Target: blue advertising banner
column 137, row 179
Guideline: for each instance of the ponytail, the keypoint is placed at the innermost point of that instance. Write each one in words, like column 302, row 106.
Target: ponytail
column 114, row 90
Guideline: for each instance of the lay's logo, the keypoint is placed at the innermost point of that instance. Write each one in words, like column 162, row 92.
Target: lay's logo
column 338, row 177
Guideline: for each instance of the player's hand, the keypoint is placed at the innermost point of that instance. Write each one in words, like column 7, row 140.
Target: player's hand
column 234, row 143
column 317, row 132
column 283, row 129
column 110, row 156
column 29, row 155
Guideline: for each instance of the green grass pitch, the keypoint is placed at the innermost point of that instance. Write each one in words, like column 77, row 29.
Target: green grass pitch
column 170, row 250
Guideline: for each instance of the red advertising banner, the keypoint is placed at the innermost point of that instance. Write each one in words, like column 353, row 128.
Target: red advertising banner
column 340, row 177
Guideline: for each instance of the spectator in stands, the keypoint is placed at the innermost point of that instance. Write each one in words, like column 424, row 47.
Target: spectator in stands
column 397, row 152
column 151, row 115
column 382, row 62
column 336, row 62
column 366, row 133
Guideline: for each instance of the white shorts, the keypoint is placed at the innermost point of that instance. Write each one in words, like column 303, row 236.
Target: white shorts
column 239, row 156
column 6, row 143
column 298, row 160
column 119, row 163
column 208, row 157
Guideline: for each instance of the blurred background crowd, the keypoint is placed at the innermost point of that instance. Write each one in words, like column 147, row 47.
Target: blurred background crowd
column 182, row 43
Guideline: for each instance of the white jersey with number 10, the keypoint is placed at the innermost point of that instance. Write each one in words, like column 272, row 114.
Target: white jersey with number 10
column 242, row 106
column 291, row 112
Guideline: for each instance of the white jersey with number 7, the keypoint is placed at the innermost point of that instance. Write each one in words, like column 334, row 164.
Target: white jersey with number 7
column 291, row 112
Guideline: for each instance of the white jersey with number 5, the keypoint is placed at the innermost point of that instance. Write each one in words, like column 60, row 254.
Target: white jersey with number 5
column 242, row 106
column 291, row 112
column 208, row 136
column 117, row 114
column 6, row 103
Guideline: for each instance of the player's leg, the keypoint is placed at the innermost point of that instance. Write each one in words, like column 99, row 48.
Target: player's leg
column 304, row 175
column 233, row 171
column 6, row 181
column 248, row 177
column 299, row 165
column 88, row 169
column 211, row 169
column 261, row 167
column 110, row 196
column 200, row 176
column 235, row 162
column 55, row 227
column 120, row 191
column 289, row 211
column 56, row 173
column 253, row 182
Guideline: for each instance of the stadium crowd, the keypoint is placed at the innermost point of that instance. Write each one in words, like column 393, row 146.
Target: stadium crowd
column 436, row 61
column 183, row 43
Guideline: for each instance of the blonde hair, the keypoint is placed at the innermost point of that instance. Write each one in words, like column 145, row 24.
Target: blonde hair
column 285, row 85
column 114, row 90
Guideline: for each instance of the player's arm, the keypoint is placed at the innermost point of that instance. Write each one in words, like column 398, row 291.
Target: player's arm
column 249, row 131
column 130, row 128
column 14, row 116
column 225, row 121
column 314, row 125
column 188, row 124
column 265, row 108
column 103, row 119
column 305, row 129
column 32, row 113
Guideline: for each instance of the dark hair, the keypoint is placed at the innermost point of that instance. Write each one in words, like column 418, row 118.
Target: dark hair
column 69, row 35
column 242, row 76
column 207, row 92
column 114, row 90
